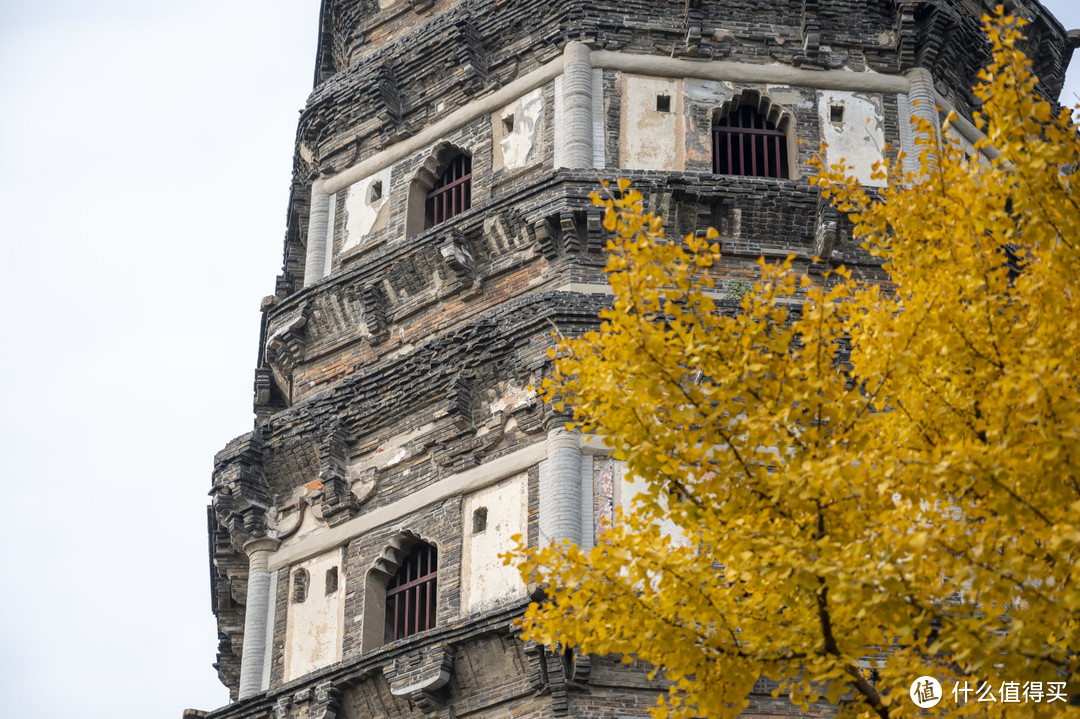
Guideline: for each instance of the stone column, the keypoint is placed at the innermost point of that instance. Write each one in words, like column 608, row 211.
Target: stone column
column 577, row 119
column 318, row 221
column 256, row 615
column 560, row 488
column 328, row 235
column 922, row 101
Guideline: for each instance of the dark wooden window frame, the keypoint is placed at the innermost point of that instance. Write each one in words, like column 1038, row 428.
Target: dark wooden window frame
column 746, row 143
column 412, row 594
column 452, row 193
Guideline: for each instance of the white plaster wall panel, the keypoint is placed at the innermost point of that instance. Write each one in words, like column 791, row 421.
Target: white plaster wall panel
column 363, row 212
column 521, row 145
column 858, row 137
column 300, row 516
column 627, row 488
column 286, row 523
column 485, row 581
column 651, row 138
column 313, row 633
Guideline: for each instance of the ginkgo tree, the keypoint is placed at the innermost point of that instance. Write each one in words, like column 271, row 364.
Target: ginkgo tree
column 868, row 483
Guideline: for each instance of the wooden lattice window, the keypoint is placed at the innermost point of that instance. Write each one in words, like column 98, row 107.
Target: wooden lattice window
column 746, row 143
column 452, row 193
column 411, row 596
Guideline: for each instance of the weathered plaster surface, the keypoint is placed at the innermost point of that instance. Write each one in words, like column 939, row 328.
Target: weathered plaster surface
column 285, row 522
column 858, row 140
column 456, row 484
column 485, row 581
column 313, row 631
column 520, row 146
column 708, row 94
column 630, row 487
column 363, row 213
column 648, row 135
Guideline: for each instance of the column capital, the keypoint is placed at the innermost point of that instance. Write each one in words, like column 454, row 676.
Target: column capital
column 577, row 51
column 561, row 438
column 260, row 544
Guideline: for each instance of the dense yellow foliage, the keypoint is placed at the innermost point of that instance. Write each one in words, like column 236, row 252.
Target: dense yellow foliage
column 917, row 510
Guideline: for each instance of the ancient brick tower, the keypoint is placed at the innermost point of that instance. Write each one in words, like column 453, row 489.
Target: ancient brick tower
column 438, row 226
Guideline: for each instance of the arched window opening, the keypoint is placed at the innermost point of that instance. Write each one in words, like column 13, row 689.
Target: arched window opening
column 452, row 193
column 411, row 595
column 746, row 142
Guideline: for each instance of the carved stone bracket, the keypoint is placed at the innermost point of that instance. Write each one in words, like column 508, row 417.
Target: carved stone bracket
column 455, row 251
column 374, row 311
column 386, row 97
column 571, row 239
column 534, row 654
column 504, row 232
column 339, row 504
column 811, row 28
column 906, row 34
column 421, row 676
column 694, row 19
column 577, row 666
column 547, row 238
column 323, row 701
column 287, row 345
column 459, row 399
column 264, row 386
column 825, row 231
column 241, row 495
column 326, row 703
column 472, row 57
column 594, row 230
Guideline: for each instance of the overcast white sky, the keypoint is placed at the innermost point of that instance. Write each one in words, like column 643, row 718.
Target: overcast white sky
column 145, row 155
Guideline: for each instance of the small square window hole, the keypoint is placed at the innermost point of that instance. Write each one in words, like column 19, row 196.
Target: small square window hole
column 375, row 192
column 836, row 113
column 479, row 520
column 508, row 124
column 663, row 103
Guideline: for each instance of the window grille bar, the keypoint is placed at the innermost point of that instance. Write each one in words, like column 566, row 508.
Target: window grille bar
column 410, row 593
column 746, row 143
column 451, row 194
column 397, row 601
column 753, row 155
